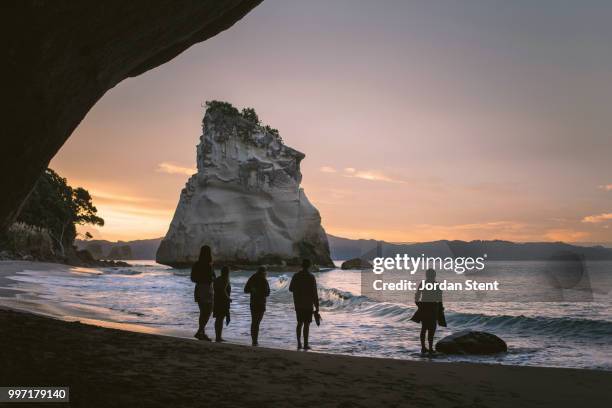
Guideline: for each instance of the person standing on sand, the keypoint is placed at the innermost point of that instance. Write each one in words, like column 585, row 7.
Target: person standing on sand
column 258, row 287
column 304, row 288
column 203, row 275
column 430, row 311
column 221, row 308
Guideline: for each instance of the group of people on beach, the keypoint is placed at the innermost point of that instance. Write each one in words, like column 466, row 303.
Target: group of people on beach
column 212, row 294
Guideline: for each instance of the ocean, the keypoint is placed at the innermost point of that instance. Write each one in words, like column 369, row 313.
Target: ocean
column 149, row 295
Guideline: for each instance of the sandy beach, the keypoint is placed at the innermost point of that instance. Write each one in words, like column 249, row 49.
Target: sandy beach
column 109, row 367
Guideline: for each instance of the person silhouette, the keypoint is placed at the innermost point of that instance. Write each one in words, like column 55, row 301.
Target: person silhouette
column 304, row 288
column 203, row 275
column 430, row 311
column 221, row 308
column 259, row 289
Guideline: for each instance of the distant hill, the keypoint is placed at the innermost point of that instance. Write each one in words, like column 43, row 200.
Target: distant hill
column 345, row 248
column 139, row 249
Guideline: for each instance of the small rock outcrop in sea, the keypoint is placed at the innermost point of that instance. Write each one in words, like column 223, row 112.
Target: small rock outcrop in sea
column 471, row 342
column 356, row 263
column 245, row 200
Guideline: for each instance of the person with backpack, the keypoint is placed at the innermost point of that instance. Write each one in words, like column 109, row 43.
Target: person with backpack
column 258, row 287
column 203, row 275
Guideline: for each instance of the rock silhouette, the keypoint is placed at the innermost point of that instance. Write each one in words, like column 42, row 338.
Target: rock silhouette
column 471, row 342
column 356, row 263
column 61, row 57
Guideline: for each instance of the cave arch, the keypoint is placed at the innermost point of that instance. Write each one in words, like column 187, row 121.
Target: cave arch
column 62, row 57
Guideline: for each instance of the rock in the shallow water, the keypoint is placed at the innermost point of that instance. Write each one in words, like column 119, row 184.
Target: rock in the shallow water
column 471, row 342
column 245, row 200
column 356, row 263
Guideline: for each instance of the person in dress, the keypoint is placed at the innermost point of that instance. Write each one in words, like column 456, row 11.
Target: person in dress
column 203, row 275
column 430, row 311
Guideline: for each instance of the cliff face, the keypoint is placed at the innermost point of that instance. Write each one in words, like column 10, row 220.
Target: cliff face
column 245, row 201
column 60, row 57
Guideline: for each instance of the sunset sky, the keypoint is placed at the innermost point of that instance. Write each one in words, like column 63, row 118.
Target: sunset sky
column 420, row 120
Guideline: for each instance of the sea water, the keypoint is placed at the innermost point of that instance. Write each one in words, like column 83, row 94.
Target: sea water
column 558, row 334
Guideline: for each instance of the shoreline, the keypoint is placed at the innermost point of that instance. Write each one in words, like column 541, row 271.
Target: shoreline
column 32, row 297
column 110, row 367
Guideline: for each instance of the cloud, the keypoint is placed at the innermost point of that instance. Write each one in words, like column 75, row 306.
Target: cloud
column 371, row 175
column 607, row 187
column 596, row 219
column 482, row 226
column 133, row 222
column 112, row 197
column 328, row 169
column 566, row 235
column 130, row 216
column 83, row 229
column 171, row 168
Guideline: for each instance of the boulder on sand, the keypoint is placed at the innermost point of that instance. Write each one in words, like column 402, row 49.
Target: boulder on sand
column 471, row 342
column 356, row 263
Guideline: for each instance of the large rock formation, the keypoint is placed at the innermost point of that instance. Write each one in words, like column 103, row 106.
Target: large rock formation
column 60, row 57
column 245, row 201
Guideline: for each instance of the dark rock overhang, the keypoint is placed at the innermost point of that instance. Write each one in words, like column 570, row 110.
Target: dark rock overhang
column 60, row 57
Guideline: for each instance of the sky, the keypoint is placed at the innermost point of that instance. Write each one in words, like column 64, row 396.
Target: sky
column 420, row 120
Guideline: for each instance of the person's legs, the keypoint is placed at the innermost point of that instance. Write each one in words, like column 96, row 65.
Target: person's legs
column 219, row 328
column 205, row 310
column 306, row 330
column 423, row 332
column 430, row 336
column 298, row 332
column 254, row 328
column 200, row 320
column 256, row 317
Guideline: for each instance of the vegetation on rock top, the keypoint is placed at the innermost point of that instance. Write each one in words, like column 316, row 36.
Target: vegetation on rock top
column 248, row 114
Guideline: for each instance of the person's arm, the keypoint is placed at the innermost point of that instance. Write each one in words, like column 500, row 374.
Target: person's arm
column 227, row 313
column 194, row 273
column 315, row 294
column 209, row 275
column 417, row 295
column 247, row 287
column 291, row 285
column 267, row 288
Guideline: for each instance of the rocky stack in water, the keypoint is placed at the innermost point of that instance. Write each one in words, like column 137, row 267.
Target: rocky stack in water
column 245, row 200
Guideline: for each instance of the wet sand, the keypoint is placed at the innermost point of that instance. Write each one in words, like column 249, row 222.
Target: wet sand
column 110, row 368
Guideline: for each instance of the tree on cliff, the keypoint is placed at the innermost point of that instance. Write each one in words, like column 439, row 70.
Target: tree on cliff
column 250, row 115
column 58, row 207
